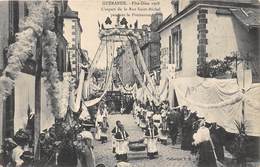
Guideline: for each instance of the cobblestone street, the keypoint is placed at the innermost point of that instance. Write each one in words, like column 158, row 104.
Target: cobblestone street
column 169, row 156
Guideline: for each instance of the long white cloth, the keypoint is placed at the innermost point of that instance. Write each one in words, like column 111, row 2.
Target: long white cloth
column 220, row 101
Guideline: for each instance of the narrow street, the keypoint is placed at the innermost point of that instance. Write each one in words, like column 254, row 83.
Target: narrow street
column 169, row 156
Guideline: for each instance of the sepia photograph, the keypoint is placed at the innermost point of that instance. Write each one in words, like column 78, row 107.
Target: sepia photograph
column 129, row 83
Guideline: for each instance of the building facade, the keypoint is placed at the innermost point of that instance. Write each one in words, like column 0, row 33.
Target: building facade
column 11, row 13
column 72, row 33
column 13, row 111
column 198, row 31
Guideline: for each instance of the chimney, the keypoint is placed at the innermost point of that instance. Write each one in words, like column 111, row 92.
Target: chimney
column 175, row 7
column 156, row 20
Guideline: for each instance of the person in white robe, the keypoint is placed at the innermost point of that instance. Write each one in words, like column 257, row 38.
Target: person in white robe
column 163, row 135
column 102, row 112
column 113, row 132
column 151, row 134
column 121, row 138
column 104, row 130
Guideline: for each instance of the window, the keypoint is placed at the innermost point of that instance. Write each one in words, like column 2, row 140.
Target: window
column 177, row 47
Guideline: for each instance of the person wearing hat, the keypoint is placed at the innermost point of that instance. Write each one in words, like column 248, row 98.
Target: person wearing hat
column 151, row 133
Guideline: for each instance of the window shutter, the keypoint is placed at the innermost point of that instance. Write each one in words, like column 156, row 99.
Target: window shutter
column 180, row 40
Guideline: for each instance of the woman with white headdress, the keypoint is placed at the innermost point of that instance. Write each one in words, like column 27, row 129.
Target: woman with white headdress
column 207, row 155
column 101, row 113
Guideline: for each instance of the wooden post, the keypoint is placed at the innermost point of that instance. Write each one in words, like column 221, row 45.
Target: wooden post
column 37, row 117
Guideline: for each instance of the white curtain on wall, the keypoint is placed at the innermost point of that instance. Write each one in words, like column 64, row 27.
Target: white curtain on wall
column 220, row 101
column 24, row 96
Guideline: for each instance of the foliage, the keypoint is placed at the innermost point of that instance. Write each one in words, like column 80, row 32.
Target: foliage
column 218, row 68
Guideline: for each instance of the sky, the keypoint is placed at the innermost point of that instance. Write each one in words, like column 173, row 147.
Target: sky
column 90, row 14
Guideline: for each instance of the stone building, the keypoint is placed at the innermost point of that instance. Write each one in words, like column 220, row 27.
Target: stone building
column 72, row 32
column 13, row 111
column 11, row 13
column 201, row 30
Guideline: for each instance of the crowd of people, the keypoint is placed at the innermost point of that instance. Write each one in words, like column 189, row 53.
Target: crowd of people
column 183, row 126
column 69, row 141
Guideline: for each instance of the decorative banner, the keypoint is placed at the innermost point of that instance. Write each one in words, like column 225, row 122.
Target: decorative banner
column 108, row 81
column 146, row 72
column 131, row 58
column 170, row 68
column 79, row 90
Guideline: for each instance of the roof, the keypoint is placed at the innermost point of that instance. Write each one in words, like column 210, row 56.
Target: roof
column 250, row 17
column 73, row 15
column 233, row 3
column 70, row 14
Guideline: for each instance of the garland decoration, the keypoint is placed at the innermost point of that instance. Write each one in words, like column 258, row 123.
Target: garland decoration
column 52, row 82
column 41, row 19
column 25, row 45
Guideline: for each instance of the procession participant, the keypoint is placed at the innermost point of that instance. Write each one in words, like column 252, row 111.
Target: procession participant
column 135, row 110
column 151, row 134
column 114, row 131
column 206, row 152
column 105, row 112
column 142, row 123
column 149, row 113
column 138, row 116
column 165, row 107
column 121, row 137
column 186, row 141
column 173, row 121
column 157, row 119
column 104, row 129
column 99, row 118
column 163, row 136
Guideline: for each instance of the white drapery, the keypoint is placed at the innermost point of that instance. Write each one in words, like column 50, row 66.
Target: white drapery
column 220, row 100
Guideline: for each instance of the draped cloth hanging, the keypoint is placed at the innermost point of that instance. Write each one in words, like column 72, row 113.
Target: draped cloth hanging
column 220, row 101
column 108, row 80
